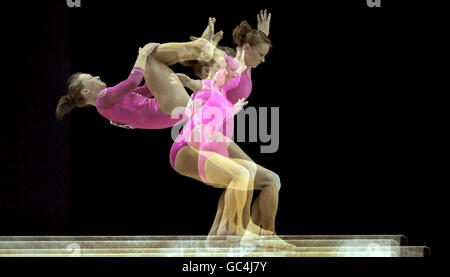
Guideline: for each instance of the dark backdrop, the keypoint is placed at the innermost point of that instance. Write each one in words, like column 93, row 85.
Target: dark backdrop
column 358, row 139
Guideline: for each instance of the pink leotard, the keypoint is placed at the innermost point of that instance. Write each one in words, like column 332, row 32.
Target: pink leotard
column 244, row 88
column 233, row 93
column 126, row 103
column 202, row 129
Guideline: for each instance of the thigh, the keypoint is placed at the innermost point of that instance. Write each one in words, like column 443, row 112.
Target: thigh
column 164, row 85
column 186, row 162
column 249, row 165
column 220, row 170
column 235, row 152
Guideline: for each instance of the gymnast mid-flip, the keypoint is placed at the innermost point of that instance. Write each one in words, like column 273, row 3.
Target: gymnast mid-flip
column 150, row 106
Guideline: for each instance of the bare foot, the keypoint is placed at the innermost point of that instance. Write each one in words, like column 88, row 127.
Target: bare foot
column 216, row 38
column 275, row 241
column 208, row 52
column 209, row 31
column 268, row 241
column 205, row 42
column 235, row 232
column 222, row 230
column 252, row 227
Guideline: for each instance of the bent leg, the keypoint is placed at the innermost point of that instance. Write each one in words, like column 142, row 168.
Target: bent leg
column 252, row 168
column 217, row 219
column 165, row 86
column 203, row 48
column 221, row 172
column 236, row 194
column 167, row 89
column 265, row 207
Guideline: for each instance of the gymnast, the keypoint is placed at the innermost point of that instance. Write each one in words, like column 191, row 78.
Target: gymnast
column 204, row 141
column 156, row 99
column 256, row 44
column 149, row 106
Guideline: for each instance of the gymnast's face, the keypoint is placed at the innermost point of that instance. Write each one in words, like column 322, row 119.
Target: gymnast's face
column 255, row 55
column 92, row 86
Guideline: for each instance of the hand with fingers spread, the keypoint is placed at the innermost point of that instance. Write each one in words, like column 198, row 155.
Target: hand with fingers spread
column 239, row 105
column 264, row 21
column 240, row 57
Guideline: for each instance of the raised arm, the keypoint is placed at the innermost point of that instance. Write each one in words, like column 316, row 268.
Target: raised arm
column 264, row 21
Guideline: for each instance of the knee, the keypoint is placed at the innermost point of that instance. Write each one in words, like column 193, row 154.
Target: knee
column 241, row 178
column 252, row 168
column 151, row 63
column 273, row 180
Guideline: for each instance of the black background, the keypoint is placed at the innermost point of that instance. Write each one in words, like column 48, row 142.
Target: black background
column 360, row 149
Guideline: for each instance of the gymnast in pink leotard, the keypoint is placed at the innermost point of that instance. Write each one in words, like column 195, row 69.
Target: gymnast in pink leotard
column 149, row 106
column 256, row 44
column 203, row 143
column 210, row 126
column 127, row 104
column 256, row 47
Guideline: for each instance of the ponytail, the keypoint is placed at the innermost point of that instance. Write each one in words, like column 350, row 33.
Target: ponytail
column 244, row 33
column 65, row 105
column 240, row 32
column 72, row 99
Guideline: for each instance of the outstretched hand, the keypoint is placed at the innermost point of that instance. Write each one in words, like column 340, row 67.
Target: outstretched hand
column 239, row 105
column 264, row 21
column 240, row 57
